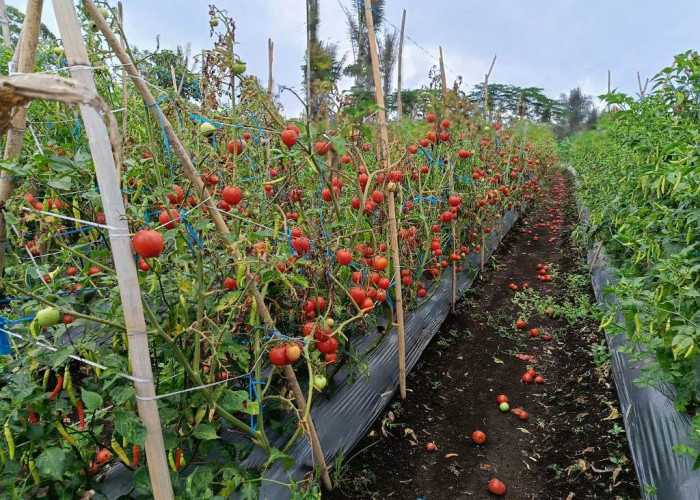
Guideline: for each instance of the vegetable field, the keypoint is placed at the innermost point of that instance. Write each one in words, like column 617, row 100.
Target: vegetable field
column 187, row 272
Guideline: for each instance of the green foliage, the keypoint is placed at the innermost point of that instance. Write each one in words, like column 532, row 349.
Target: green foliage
column 640, row 177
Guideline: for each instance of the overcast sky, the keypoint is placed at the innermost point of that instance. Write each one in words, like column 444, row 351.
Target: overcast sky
column 552, row 44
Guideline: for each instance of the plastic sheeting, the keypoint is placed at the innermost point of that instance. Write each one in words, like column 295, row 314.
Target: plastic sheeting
column 342, row 420
column 652, row 424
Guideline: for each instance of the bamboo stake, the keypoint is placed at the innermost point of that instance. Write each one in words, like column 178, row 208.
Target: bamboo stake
column 174, row 78
column 308, row 62
column 25, row 55
column 108, row 181
column 5, row 24
column 642, row 90
column 125, row 90
column 189, row 170
column 291, row 377
column 443, row 77
column 384, row 161
column 486, row 87
column 270, row 60
column 399, row 104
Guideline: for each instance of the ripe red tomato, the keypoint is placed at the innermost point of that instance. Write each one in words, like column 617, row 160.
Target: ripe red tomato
column 357, row 294
column 238, row 146
column 502, row 398
column 322, row 147
column 534, row 332
column 67, row 319
column 327, row 346
column 289, row 137
column 230, row 283
column 497, row 487
column 93, row 270
column 344, row 257
column 278, row 356
column 293, row 127
column 168, row 218
column 446, row 124
column 431, row 446
column 331, row 358
column 380, row 263
column 143, row 265
column 148, row 243
column 430, row 117
column 301, row 245
column 527, row 377
column 71, row 271
column 479, row 437
column 539, row 379
column 521, row 324
column 232, row 195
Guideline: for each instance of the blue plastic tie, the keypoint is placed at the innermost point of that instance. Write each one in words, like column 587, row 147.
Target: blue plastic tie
column 162, row 127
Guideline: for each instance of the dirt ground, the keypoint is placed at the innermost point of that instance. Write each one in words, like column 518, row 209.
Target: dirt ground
column 572, row 444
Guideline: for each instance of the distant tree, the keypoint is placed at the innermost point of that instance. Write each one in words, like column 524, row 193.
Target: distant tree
column 511, row 100
column 16, row 19
column 578, row 113
column 326, row 65
column 387, row 45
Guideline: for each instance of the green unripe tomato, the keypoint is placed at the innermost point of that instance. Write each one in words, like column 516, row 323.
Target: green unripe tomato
column 504, row 407
column 320, row 382
column 207, row 128
column 48, row 316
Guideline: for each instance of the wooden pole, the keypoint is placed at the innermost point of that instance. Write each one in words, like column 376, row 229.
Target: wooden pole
column 270, row 60
column 384, row 161
column 308, row 62
column 175, row 144
column 25, row 55
column 5, row 25
column 291, row 377
column 125, row 90
column 120, row 240
column 443, row 77
column 642, row 89
column 399, row 104
column 486, row 87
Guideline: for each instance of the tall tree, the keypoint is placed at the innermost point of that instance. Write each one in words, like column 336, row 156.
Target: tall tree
column 326, row 64
column 361, row 68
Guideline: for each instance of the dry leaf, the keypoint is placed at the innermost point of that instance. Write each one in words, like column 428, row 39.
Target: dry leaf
column 498, row 361
column 526, row 464
column 613, row 414
column 486, row 466
column 570, row 496
column 526, row 357
column 522, row 429
column 616, row 473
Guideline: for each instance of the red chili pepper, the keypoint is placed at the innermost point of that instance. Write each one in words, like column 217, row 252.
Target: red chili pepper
column 32, row 418
column 81, row 415
column 178, row 459
column 136, row 451
column 57, row 389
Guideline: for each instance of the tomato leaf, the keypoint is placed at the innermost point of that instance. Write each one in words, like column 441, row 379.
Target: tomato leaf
column 276, row 454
